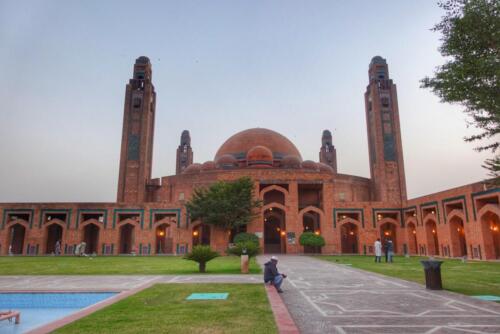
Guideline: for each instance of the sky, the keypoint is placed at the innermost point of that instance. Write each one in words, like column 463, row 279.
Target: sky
column 219, row 67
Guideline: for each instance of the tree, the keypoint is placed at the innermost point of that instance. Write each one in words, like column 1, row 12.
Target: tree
column 225, row 204
column 201, row 254
column 471, row 42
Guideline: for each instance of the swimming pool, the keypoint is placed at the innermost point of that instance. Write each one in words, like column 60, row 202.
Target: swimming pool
column 38, row 308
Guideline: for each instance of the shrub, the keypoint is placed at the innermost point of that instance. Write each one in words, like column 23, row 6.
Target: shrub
column 201, row 254
column 251, row 248
column 244, row 237
column 311, row 239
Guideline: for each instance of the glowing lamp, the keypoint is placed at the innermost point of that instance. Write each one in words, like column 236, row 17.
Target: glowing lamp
column 386, row 233
column 195, row 233
column 414, row 214
column 283, row 233
column 458, row 229
column 278, row 229
column 433, row 231
column 161, row 233
column 270, row 209
column 351, row 233
column 316, row 232
column 414, row 232
column 432, row 212
column 343, row 217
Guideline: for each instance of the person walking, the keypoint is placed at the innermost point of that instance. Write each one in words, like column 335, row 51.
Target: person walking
column 378, row 250
column 271, row 274
column 58, row 248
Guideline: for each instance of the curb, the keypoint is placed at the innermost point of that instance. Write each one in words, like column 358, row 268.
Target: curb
column 284, row 321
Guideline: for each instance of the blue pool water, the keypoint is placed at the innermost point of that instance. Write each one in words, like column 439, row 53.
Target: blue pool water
column 38, row 309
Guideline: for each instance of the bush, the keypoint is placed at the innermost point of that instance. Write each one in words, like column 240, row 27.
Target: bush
column 244, row 237
column 201, row 254
column 251, row 248
column 311, row 239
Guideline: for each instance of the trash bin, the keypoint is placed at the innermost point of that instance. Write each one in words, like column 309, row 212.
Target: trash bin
column 432, row 269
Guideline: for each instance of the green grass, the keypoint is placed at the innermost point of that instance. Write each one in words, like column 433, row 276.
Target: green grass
column 127, row 265
column 163, row 309
column 471, row 278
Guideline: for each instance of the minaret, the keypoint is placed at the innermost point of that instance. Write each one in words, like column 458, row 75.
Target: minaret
column 184, row 153
column 328, row 154
column 384, row 135
column 137, row 134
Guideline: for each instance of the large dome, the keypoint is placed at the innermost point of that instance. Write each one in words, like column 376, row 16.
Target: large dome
column 239, row 144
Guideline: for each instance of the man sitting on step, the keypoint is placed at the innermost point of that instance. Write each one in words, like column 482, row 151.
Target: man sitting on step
column 271, row 274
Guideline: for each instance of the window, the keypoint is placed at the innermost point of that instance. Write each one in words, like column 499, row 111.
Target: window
column 385, row 102
column 137, row 102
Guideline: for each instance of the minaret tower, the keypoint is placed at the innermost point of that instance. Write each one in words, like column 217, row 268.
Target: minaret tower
column 184, row 153
column 137, row 135
column 384, row 135
column 328, row 154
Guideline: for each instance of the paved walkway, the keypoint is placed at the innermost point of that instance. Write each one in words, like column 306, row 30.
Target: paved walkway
column 323, row 297
column 111, row 282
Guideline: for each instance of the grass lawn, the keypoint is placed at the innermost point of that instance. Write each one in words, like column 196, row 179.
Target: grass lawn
column 471, row 278
column 114, row 265
column 163, row 309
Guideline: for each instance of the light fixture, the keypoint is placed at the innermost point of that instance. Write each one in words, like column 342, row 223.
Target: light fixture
column 265, row 219
column 433, row 212
column 270, row 209
column 386, row 233
column 317, row 233
column 161, row 233
column 278, row 229
column 414, row 214
column 414, row 232
column 343, row 217
column 494, row 228
column 195, row 233
column 433, row 231
column 458, row 229
column 351, row 233
column 283, row 233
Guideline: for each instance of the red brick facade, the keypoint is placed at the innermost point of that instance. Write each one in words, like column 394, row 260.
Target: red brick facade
column 350, row 212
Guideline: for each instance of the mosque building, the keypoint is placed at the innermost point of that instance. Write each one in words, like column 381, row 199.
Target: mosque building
column 350, row 212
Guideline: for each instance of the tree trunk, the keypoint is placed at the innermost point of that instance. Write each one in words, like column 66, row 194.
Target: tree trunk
column 202, row 266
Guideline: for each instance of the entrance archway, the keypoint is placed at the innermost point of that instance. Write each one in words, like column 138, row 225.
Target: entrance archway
column 349, row 238
column 91, row 238
column 54, row 234
column 274, row 231
column 311, row 223
column 388, row 232
column 432, row 237
column 164, row 244
column 412, row 238
column 17, row 233
column 490, row 226
column 458, row 244
column 126, row 238
column 201, row 235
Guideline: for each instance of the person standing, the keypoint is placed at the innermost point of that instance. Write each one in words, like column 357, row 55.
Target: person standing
column 378, row 250
column 271, row 274
column 58, row 248
column 390, row 251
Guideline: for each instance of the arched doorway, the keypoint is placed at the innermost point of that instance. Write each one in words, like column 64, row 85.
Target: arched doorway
column 412, row 238
column 458, row 244
column 349, row 238
column 164, row 244
column 274, row 231
column 388, row 232
column 17, row 233
column 311, row 223
column 490, row 226
column 201, row 235
column 54, row 234
column 91, row 238
column 126, row 238
column 432, row 237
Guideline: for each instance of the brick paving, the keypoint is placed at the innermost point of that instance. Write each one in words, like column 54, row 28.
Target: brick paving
column 323, row 297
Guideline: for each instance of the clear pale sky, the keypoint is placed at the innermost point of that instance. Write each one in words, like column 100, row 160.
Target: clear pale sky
column 219, row 67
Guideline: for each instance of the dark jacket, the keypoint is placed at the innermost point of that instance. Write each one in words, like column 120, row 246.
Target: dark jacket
column 270, row 271
column 389, row 246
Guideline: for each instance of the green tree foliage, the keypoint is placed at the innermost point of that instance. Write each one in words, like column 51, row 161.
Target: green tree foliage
column 225, row 204
column 245, row 247
column 201, row 254
column 244, row 237
column 311, row 239
column 471, row 44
